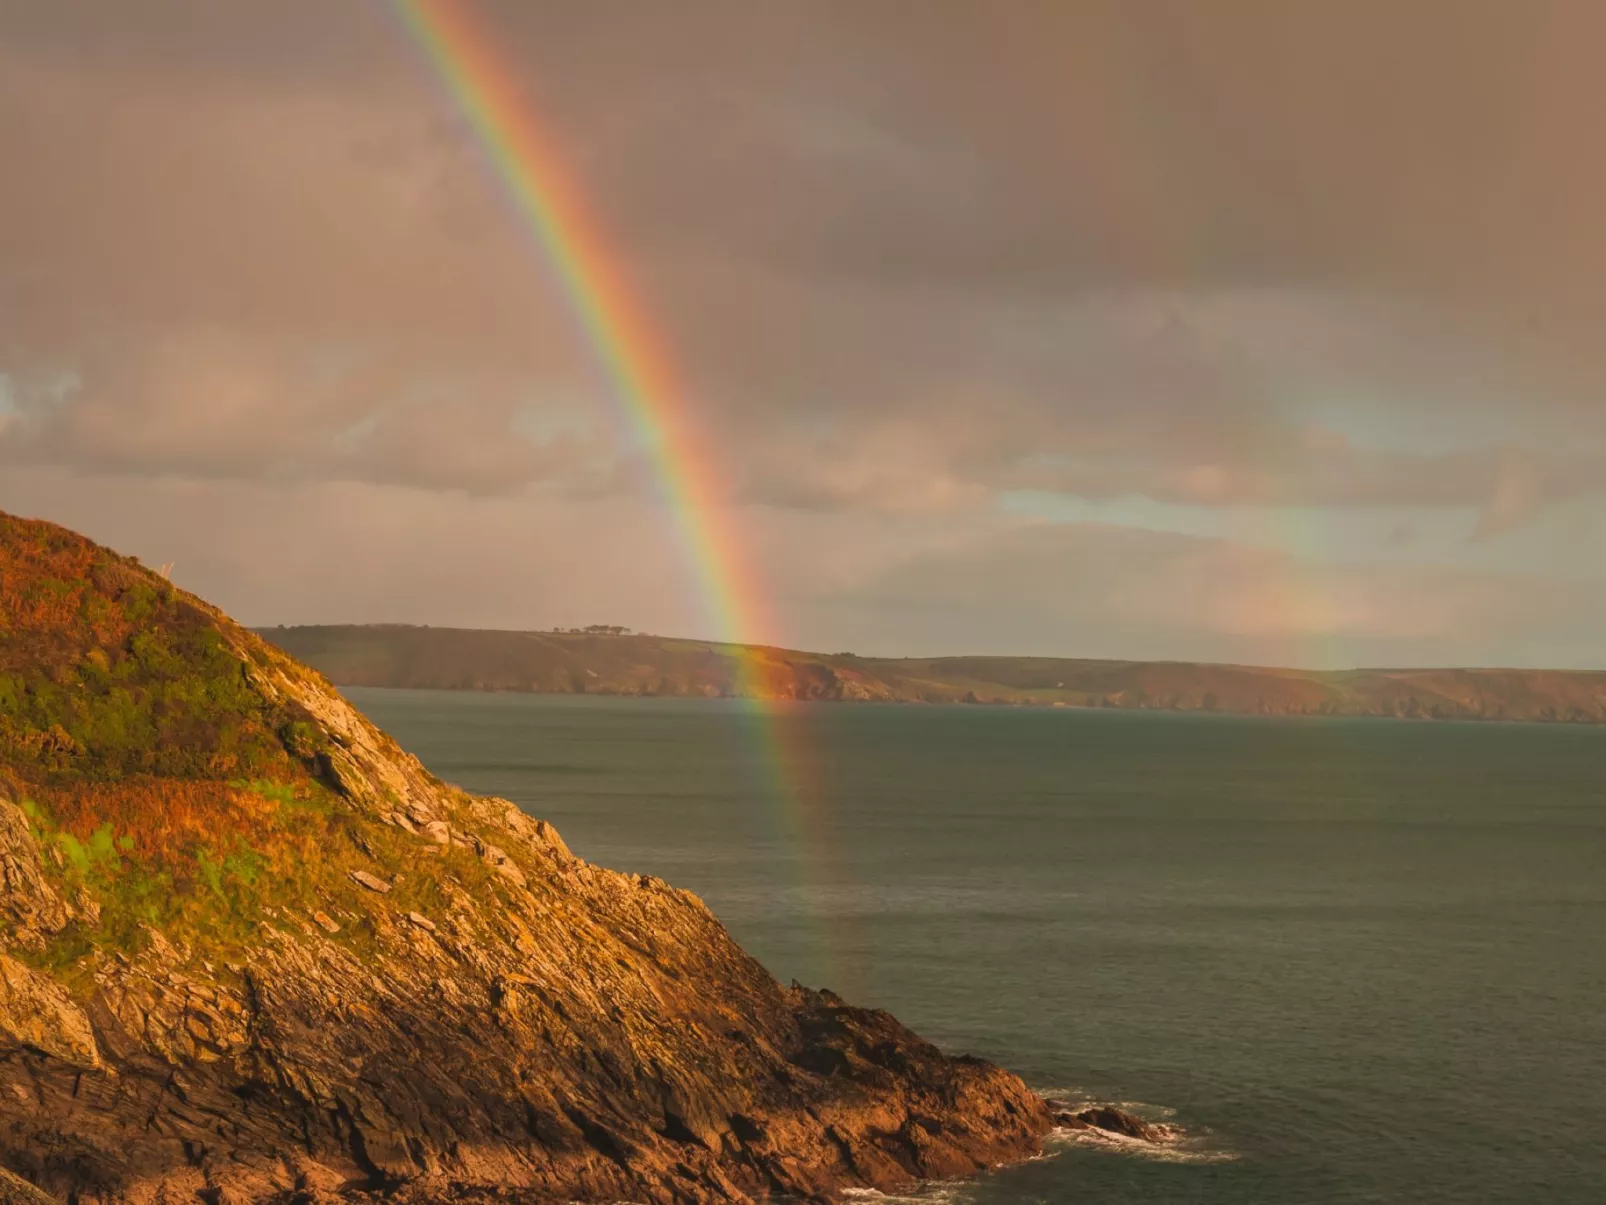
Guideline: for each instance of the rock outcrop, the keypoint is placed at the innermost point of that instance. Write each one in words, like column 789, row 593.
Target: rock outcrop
column 252, row 951
column 1107, row 1119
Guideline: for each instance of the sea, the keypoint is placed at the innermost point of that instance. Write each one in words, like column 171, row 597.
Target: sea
column 1351, row 960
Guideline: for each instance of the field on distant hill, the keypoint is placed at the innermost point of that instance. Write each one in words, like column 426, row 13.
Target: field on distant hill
column 591, row 663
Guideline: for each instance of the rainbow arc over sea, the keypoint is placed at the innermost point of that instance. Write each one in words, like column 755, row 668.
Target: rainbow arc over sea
column 464, row 55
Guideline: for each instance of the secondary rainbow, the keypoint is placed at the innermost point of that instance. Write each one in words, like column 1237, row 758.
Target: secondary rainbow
column 485, row 89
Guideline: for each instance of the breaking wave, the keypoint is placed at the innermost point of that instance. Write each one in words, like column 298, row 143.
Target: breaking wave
column 1177, row 1144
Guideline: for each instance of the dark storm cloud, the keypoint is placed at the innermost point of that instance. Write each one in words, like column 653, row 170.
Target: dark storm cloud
column 911, row 257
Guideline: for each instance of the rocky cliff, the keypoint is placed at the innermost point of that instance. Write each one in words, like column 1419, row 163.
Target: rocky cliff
column 250, row 950
column 582, row 662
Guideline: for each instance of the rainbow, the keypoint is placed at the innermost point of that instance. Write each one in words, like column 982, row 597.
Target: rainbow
column 637, row 365
column 483, row 86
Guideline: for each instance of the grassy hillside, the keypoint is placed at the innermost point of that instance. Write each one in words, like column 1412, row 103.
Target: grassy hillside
column 165, row 789
column 554, row 662
column 168, row 789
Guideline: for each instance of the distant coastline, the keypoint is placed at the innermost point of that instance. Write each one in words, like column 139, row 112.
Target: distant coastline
column 611, row 662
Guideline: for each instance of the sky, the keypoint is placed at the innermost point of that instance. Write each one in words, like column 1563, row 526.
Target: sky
column 1248, row 331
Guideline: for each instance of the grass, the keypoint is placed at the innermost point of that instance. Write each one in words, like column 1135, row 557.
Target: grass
column 107, row 670
column 187, row 858
column 208, row 864
column 165, row 790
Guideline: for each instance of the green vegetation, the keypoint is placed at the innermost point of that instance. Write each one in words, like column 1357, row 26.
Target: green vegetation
column 210, row 863
column 163, row 787
column 168, row 861
column 107, row 671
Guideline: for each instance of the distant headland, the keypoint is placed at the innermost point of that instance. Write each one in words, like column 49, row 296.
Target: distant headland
column 604, row 659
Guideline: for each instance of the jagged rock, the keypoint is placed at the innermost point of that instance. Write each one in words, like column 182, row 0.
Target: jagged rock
column 37, row 1014
column 14, row 1190
column 551, row 1030
column 498, row 858
column 87, row 908
column 31, row 909
column 1118, row 1121
column 1109, row 1119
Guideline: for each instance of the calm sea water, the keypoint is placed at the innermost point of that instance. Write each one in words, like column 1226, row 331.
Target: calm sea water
column 1358, row 960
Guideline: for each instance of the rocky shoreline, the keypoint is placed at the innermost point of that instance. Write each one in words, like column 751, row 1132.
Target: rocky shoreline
column 1107, row 1119
column 261, row 955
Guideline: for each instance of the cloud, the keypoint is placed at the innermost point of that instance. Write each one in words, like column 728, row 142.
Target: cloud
column 215, row 404
column 349, row 551
column 1105, row 250
column 1521, row 485
column 239, row 271
column 1101, row 590
column 1402, row 535
column 1206, row 400
column 884, row 243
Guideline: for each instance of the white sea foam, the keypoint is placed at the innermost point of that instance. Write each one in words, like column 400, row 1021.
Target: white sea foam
column 940, row 1191
column 1178, row 1145
column 1175, row 1147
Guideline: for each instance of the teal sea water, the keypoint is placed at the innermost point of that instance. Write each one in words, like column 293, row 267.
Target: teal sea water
column 1356, row 960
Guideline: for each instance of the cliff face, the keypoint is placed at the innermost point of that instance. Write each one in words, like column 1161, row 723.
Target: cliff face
column 250, row 950
column 564, row 663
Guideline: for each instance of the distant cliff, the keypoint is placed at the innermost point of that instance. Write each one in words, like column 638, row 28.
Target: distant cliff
column 251, row 951
column 571, row 663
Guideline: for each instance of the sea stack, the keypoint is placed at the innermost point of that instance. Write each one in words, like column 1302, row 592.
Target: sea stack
column 250, row 950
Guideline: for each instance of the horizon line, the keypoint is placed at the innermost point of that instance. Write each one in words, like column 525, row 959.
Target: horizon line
column 1112, row 660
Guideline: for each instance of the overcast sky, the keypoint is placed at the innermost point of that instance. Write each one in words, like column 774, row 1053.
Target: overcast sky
column 1265, row 332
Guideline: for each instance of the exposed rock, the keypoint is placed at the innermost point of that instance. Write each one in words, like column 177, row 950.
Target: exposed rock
column 37, row 1014
column 1119, row 1121
column 491, row 1018
column 87, row 908
column 14, row 1190
column 31, row 909
column 498, row 858
column 1109, row 1119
